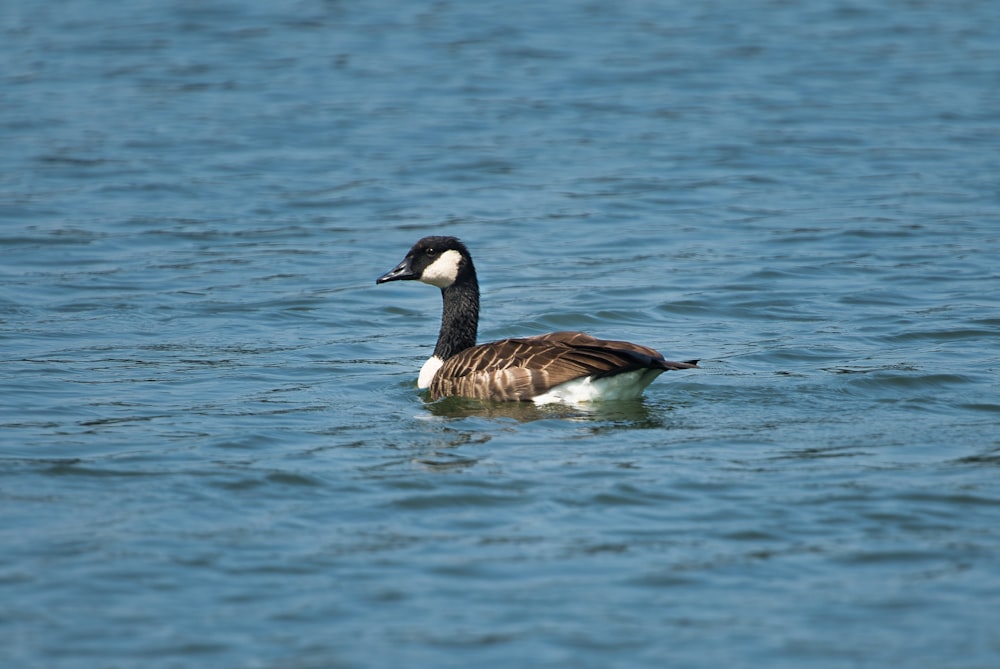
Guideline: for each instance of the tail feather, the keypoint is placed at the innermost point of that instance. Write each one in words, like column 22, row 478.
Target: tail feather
column 671, row 365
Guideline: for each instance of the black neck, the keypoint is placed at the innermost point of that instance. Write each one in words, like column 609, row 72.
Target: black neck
column 460, row 317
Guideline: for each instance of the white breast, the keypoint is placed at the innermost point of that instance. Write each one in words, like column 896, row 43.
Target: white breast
column 428, row 371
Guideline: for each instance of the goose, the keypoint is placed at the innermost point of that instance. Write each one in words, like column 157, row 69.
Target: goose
column 564, row 367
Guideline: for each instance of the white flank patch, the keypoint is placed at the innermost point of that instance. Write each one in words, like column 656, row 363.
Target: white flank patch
column 625, row 386
column 443, row 271
column 428, row 371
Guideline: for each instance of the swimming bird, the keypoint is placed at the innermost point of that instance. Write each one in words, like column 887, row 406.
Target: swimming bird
column 556, row 367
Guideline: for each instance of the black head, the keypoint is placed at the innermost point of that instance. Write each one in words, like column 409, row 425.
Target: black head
column 439, row 261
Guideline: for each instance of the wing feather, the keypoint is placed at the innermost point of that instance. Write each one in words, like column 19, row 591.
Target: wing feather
column 520, row 369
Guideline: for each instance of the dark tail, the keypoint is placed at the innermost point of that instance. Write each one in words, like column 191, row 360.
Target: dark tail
column 670, row 364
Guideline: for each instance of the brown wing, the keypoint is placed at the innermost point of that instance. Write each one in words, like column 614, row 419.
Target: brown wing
column 646, row 356
column 519, row 369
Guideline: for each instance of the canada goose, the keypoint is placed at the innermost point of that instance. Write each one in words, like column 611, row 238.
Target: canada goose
column 554, row 367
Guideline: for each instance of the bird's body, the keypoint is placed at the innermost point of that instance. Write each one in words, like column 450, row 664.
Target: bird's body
column 554, row 367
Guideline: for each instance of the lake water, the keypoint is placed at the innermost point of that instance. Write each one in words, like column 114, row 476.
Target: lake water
column 212, row 450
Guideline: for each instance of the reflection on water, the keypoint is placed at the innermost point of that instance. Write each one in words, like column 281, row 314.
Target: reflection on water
column 623, row 413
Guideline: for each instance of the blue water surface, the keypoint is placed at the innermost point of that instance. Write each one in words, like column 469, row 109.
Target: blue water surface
column 212, row 449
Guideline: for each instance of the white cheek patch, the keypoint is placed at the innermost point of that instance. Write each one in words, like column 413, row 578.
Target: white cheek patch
column 443, row 271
